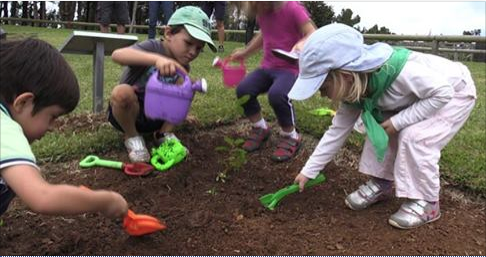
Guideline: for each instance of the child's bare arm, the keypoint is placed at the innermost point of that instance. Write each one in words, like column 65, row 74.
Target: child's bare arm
column 307, row 29
column 255, row 44
column 45, row 198
column 131, row 56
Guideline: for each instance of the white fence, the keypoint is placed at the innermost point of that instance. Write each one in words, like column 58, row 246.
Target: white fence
column 463, row 48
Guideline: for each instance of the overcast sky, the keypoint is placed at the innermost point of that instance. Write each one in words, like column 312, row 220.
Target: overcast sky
column 418, row 18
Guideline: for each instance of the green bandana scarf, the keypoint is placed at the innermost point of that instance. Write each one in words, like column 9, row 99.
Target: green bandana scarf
column 379, row 81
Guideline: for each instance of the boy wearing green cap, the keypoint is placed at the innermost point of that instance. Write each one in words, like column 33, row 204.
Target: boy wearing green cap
column 187, row 31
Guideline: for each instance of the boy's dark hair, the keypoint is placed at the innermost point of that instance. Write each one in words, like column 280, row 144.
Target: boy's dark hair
column 32, row 65
column 174, row 29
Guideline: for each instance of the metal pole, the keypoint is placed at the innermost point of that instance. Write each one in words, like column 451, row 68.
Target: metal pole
column 435, row 46
column 98, row 73
column 456, row 55
column 134, row 14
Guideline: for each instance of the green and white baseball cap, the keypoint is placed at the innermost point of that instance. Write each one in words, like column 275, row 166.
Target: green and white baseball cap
column 195, row 21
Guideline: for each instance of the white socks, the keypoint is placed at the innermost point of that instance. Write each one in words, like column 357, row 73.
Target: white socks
column 292, row 134
column 263, row 124
column 260, row 124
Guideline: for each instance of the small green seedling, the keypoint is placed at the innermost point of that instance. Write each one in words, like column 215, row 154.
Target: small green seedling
column 240, row 102
column 235, row 157
column 212, row 191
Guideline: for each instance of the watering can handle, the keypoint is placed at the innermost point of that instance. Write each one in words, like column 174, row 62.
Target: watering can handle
column 184, row 75
column 93, row 160
column 241, row 61
column 178, row 72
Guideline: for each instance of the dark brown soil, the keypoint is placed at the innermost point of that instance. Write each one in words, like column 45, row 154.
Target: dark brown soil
column 206, row 217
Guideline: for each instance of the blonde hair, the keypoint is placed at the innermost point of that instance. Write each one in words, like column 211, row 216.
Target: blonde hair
column 355, row 92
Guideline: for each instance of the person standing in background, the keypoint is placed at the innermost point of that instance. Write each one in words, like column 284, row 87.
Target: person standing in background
column 154, row 11
column 116, row 11
column 219, row 8
column 250, row 29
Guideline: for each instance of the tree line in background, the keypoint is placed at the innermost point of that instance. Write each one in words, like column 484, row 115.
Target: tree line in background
column 323, row 14
column 85, row 11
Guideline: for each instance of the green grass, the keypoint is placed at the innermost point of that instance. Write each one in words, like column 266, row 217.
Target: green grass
column 464, row 158
column 462, row 164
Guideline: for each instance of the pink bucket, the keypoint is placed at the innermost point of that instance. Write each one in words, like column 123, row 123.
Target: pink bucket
column 232, row 75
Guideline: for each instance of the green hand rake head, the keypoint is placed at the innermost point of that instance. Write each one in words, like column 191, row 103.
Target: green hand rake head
column 168, row 154
column 271, row 201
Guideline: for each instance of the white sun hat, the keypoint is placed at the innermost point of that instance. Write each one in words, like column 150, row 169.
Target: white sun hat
column 335, row 46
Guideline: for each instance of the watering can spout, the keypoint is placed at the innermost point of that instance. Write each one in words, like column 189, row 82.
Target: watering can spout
column 200, row 86
column 217, row 62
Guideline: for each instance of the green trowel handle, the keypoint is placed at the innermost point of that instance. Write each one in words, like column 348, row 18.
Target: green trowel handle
column 323, row 112
column 312, row 182
column 271, row 200
column 295, row 188
column 93, row 160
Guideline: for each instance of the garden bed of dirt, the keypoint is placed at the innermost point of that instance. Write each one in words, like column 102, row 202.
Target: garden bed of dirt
column 209, row 217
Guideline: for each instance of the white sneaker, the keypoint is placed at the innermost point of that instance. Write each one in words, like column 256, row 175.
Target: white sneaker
column 415, row 213
column 160, row 139
column 137, row 152
column 367, row 194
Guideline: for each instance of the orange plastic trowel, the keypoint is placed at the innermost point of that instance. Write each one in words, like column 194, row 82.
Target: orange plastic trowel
column 139, row 224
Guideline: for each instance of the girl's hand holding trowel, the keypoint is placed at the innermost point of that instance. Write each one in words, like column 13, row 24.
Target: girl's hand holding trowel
column 301, row 180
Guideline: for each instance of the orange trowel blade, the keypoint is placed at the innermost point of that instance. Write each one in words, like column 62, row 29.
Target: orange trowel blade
column 139, row 224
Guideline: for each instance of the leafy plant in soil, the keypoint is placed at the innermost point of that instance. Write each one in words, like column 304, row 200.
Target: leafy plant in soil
column 235, row 157
column 240, row 102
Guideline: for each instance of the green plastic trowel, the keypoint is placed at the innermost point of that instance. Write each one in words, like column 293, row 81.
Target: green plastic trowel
column 271, row 200
column 323, row 112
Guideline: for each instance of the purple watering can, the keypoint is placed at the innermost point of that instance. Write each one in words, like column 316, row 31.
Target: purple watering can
column 232, row 75
column 166, row 100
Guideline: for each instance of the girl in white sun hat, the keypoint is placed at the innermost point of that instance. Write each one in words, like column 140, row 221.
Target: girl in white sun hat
column 412, row 104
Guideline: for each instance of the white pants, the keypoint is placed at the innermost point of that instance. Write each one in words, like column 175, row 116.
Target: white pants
column 412, row 158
